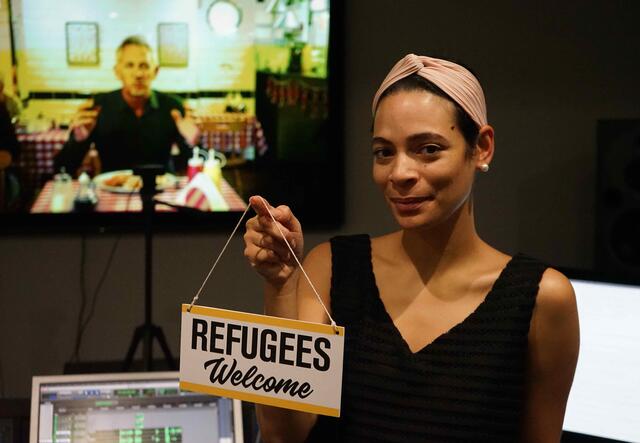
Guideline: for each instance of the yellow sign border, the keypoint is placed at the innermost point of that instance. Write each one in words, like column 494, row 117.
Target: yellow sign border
column 265, row 320
column 261, row 399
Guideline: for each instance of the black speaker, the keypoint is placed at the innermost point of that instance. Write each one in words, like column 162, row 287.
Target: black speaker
column 618, row 198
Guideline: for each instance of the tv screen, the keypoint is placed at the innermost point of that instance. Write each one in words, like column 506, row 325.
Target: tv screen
column 605, row 397
column 212, row 101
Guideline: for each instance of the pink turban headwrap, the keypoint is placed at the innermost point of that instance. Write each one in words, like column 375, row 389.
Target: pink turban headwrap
column 457, row 82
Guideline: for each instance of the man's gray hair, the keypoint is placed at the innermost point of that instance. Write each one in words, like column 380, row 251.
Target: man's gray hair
column 134, row 40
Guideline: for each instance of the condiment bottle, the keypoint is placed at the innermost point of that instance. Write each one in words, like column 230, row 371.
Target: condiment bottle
column 195, row 164
column 62, row 197
column 213, row 168
column 85, row 198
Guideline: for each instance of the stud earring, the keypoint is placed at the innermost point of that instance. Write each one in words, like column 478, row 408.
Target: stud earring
column 484, row 167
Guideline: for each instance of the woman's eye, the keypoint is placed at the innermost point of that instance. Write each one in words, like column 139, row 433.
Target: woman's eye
column 429, row 149
column 381, row 153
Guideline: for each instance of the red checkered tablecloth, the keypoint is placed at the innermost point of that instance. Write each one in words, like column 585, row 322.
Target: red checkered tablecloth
column 121, row 202
column 37, row 152
column 39, row 148
column 235, row 137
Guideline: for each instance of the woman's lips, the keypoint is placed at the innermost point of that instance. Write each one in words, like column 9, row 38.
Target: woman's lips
column 408, row 204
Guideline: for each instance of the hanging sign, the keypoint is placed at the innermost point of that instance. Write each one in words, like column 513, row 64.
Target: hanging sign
column 269, row 360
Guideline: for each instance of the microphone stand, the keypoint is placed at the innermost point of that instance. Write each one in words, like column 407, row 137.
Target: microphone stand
column 148, row 331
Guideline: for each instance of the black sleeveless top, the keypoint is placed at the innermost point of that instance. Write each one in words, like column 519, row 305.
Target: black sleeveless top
column 466, row 386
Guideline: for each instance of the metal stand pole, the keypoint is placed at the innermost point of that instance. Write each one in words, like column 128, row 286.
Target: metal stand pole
column 148, row 331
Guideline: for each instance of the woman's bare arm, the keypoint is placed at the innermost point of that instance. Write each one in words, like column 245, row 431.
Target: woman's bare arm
column 283, row 425
column 287, row 294
column 554, row 342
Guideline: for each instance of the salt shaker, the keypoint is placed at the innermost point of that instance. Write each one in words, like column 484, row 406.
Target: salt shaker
column 62, row 198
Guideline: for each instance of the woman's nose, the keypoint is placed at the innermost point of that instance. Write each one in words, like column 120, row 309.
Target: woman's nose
column 403, row 170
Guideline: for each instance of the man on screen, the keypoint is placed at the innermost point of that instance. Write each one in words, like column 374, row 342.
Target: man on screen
column 133, row 125
column 8, row 101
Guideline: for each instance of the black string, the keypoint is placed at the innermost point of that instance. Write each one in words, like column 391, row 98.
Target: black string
column 103, row 277
column 82, row 325
column 83, row 297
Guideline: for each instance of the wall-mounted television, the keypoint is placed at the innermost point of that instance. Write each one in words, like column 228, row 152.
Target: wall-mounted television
column 604, row 403
column 261, row 80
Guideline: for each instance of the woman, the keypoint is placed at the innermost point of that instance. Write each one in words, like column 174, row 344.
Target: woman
column 447, row 338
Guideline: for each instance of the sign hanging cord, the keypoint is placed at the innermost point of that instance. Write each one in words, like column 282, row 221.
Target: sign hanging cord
column 195, row 299
column 333, row 323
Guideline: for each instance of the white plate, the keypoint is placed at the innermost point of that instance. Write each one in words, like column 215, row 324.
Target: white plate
column 101, row 181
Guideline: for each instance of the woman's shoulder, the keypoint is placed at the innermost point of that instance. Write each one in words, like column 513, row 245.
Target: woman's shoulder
column 555, row 292
column 554, row 288
column 340, row 245
column 556, row 297
column 319, row 253
column 555, row 312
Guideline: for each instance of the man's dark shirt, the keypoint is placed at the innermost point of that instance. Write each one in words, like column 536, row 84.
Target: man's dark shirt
column 124, row 140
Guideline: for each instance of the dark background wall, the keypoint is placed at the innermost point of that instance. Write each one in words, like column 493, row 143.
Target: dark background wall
column 550, row 70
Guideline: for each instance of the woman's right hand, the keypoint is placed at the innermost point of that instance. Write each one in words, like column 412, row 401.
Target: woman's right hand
column 265, row 248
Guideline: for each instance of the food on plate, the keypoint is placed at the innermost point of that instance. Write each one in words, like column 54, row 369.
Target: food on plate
column 128, row 182
column 124, row 181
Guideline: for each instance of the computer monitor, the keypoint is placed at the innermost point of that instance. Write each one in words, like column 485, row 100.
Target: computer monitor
column 605, row 396
column 132, row 407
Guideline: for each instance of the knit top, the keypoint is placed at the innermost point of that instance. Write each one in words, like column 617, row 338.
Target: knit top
column 466, row 386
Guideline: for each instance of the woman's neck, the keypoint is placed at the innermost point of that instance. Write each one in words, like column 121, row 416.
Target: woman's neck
column 440, row 247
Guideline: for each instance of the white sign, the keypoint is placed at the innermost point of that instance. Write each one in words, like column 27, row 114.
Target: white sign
column 273, row 361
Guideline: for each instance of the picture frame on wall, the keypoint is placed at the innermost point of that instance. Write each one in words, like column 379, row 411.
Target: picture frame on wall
column 173, row 44
column 83, row 43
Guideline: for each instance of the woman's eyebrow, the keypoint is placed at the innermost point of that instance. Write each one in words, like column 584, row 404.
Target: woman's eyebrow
column 379, row 140
column 416, row 138
column 427, row 136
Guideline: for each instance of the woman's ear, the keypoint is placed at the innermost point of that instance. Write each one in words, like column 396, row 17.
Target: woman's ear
column 484, row 147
